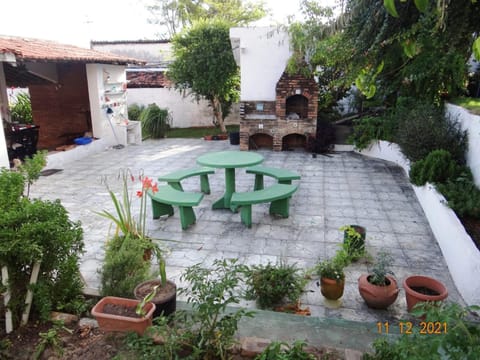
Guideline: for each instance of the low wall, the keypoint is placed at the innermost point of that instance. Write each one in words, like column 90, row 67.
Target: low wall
column 459, row 251
column 186, row 112
column 470, row 123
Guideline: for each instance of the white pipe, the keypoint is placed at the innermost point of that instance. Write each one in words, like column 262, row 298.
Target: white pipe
column 6, row 300
column 29, row 298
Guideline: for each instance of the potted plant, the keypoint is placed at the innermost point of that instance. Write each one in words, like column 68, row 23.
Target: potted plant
column 163, row 293
column 379, row 289
column 120, row 314
column 129, row 253
column 332, row 275
column 420, row 288
column 354, row 240
column 270, row 285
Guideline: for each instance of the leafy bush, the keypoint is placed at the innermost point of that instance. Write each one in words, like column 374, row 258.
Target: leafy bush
column 459, row 341
column 134, row 111
column 324, row 139
column 370, row 128
column 41, row 231
column 437, row 167
column 155, row 121
column 21, row 111
column 271, row 284
column 462, row 195
column 124, row 266
column 210, row 291
column 423, row 128
column 11, row 188
column 281, row 351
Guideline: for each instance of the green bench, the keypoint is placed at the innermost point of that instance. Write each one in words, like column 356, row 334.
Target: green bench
column 166, row 196
column 278, row 195
column 282, row 175
column 173, row 179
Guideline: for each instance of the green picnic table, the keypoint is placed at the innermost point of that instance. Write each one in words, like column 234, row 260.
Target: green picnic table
column 228, row 160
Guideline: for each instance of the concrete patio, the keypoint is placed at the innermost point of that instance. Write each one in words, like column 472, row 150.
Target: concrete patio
column 335, row 190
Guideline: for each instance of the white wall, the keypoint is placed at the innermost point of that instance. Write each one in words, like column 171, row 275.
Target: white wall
column 470, row 123
column 3, row 115
column 152, row 52
column 96, row 78
column 186, row 112
column 263, row 53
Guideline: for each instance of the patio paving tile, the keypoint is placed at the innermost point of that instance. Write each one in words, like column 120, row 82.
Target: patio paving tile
column 335, row 190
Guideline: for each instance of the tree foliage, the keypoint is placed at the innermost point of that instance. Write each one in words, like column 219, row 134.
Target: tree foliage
column 174, row 15
column 205, row 67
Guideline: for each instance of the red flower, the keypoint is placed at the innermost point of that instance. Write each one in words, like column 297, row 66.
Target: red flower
column 146, row 183
column 155, row 188
column 139, row 193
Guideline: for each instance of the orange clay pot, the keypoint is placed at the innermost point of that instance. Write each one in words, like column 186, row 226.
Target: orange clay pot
column 376, row 296
column 411, row 285
column 331, row 289
column 110, row 322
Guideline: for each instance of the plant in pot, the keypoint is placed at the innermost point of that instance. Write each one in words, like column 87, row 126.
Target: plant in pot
column 379, row 289
column 420, row 288
column 354, row 240
column 129, row 252
column 272, row 285
column 332, row 275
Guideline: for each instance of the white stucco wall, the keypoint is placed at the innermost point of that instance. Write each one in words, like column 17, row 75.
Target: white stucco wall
column 470, row 123
column 458, row 249
column 152, row 52
column 262, row 53
column 3, row 114
column 96, row 78
column 186, row 112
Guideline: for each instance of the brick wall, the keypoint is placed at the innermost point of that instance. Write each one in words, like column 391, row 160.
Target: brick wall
column 272, row 120
column 62, row 110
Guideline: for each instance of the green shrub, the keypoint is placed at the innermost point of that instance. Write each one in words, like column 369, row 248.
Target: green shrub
column 134, row 111
column 11, row 188
column 281, row 351
column 41, row 231
column 370, row 128
column 462, row 195
column 124, row 266
column 21, row 111
column 271, row 284
column 155, row 121
column 451, row 337
column 437, row 167
column 423, row 128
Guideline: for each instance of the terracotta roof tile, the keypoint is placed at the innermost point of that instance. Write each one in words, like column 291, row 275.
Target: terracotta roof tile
column 147, row 79
column 27, row 49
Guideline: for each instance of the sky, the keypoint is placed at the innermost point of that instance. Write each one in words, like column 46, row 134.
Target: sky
column 78, row 22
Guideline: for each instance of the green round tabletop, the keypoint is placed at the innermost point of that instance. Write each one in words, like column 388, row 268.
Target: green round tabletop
column 229, row 159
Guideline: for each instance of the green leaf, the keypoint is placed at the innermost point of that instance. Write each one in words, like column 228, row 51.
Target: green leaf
column 476, row 49
column 410, row 48
column 421, row 5
column 390, row 7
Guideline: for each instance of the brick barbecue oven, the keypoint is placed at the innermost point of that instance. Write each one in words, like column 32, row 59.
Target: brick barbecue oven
column 285, row 123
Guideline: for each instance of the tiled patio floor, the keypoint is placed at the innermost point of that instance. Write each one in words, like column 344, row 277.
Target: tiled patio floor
column 338, row 189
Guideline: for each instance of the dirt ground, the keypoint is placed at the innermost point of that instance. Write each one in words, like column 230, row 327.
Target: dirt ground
column 85, row 343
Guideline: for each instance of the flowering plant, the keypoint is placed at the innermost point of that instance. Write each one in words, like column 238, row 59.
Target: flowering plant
column 333, row 268
column 126, row 222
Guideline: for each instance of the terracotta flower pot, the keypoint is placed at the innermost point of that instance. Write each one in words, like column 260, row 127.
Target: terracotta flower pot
column 331, row 288
column 378, row 297
column 423, row 288
column 113, row 322
column 165, row 299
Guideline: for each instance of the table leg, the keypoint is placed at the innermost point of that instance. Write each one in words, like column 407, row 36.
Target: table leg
column 224, row 201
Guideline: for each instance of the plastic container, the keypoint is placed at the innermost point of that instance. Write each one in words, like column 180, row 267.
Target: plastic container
column 83, row 140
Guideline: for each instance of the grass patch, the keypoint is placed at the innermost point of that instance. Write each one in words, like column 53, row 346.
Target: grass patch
column 198, row 132
column 471, row 104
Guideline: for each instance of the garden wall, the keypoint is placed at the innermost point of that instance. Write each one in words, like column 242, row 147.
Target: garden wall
column 470, row 123
column 459, row 251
